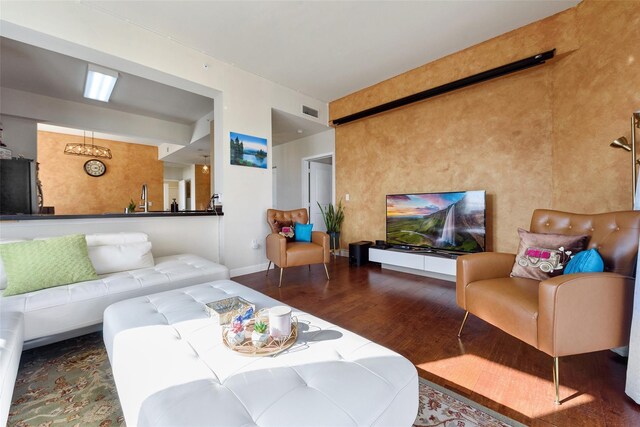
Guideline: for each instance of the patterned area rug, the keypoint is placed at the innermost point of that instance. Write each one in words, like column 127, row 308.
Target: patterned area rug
column 444, row 408
column 70, row 384
column 66, row 384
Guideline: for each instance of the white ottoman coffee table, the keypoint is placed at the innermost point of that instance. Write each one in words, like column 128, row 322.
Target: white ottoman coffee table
column 172, row 369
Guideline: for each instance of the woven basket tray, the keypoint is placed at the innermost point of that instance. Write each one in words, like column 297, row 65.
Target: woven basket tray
column 272, row 346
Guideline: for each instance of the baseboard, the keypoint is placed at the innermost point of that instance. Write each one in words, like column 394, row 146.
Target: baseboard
column 431, row 274
column 263, row 267
column 248, row 270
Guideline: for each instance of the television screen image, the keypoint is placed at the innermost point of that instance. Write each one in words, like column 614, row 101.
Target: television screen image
column 442, row 221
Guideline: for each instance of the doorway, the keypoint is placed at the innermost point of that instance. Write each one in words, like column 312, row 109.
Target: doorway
column 318, row 174
column 170, row 189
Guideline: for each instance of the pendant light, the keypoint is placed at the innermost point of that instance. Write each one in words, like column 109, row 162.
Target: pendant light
column 205, row 168
column 87, row 150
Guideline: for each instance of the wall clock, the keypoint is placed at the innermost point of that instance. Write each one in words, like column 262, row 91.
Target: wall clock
column 95, row 168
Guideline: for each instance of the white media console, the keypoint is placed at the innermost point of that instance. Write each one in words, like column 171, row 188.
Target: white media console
column 424, row 264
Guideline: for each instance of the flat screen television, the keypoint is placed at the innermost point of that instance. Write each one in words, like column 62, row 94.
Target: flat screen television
column 452, row 222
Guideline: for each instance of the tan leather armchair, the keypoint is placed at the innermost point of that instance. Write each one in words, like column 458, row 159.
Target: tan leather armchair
column 291, row 254
column 568, row 314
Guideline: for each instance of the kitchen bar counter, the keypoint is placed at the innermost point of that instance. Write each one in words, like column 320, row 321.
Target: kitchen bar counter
column 170, row 233
column 218, row 212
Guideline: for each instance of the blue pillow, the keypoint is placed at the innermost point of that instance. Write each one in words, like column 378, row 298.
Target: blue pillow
column 303, row 232
column 585, row 262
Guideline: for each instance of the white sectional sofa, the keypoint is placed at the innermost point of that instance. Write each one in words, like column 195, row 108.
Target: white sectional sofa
column 126, row 269
column 10, row 349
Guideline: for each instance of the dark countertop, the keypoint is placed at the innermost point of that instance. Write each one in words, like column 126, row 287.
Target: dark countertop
column 111, row 215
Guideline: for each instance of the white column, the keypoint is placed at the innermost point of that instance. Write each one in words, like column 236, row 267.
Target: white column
column 632, row 387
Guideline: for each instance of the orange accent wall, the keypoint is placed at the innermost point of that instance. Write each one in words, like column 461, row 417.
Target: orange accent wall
column 67, row 187
column 535, row 139
column 203, row 188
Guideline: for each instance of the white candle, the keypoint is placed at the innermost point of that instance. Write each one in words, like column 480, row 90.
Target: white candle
column 279, row 321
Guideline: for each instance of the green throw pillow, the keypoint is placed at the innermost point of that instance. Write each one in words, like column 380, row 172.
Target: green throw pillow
column 40, row 264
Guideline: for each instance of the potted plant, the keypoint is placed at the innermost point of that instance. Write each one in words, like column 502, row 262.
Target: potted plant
column 333, row 217
column 132, row 207
column 259, row 336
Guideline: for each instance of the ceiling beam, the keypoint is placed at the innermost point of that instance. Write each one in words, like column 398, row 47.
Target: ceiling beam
column 77, row 115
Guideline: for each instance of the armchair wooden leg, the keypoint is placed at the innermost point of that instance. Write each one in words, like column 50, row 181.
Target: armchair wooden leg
column 466, row 314
column 556, row 380
column 268, row 268
column 281, row 271
column 326, row 271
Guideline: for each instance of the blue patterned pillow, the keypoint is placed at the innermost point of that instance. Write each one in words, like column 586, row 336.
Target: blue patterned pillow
column 585, row 262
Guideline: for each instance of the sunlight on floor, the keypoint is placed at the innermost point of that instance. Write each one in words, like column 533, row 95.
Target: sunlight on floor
column 500, row 384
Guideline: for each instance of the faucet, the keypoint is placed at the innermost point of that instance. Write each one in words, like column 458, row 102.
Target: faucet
column 145, row 198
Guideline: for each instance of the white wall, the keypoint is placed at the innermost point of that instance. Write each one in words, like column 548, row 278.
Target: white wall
column 243, row 101
column 172, row 172
column 21, row 136
column 288, row 160
column 168, row 235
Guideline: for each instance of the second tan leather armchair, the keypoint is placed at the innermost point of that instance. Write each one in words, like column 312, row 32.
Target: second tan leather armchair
column 568, row 314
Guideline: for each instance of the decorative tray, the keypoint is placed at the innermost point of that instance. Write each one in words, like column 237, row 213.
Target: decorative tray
column 223, row 311
column 272, row 347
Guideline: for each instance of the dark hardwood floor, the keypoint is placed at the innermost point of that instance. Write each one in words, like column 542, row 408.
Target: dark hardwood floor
column 418, row 318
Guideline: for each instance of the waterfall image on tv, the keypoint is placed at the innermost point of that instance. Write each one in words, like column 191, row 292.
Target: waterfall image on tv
column 446, row 221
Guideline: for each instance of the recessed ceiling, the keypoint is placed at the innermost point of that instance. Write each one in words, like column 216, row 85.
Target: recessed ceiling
column 192, row 154
column 97, row 135
column 329, row 49
column 286, row 127
column 32, row 69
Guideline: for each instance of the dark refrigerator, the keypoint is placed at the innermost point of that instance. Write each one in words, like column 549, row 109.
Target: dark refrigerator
column 18, row 194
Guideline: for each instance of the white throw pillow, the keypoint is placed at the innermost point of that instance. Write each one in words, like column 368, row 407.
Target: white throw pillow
column 100, row 239
column 115, row 258
column 3, row 274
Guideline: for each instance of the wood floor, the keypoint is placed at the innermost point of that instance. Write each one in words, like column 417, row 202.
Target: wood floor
column 418, row 318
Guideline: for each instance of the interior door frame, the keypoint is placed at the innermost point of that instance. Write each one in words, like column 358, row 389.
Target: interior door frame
column 165, row 190
column 274, row 186
column 305, row 177
column 182, row 194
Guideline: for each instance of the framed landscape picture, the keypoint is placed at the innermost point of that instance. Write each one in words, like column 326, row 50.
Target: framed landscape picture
column 247, row 150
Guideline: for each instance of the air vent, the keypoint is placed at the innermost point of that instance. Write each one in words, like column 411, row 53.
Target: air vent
column 309, row 111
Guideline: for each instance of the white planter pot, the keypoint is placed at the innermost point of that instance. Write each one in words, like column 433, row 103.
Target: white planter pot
column 258, row 339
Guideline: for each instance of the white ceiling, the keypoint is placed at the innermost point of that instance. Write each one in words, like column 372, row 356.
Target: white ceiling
column 35, row 70
column 329, row 49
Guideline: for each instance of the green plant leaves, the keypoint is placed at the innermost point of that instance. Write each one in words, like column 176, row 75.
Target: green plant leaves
column 333, row 216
